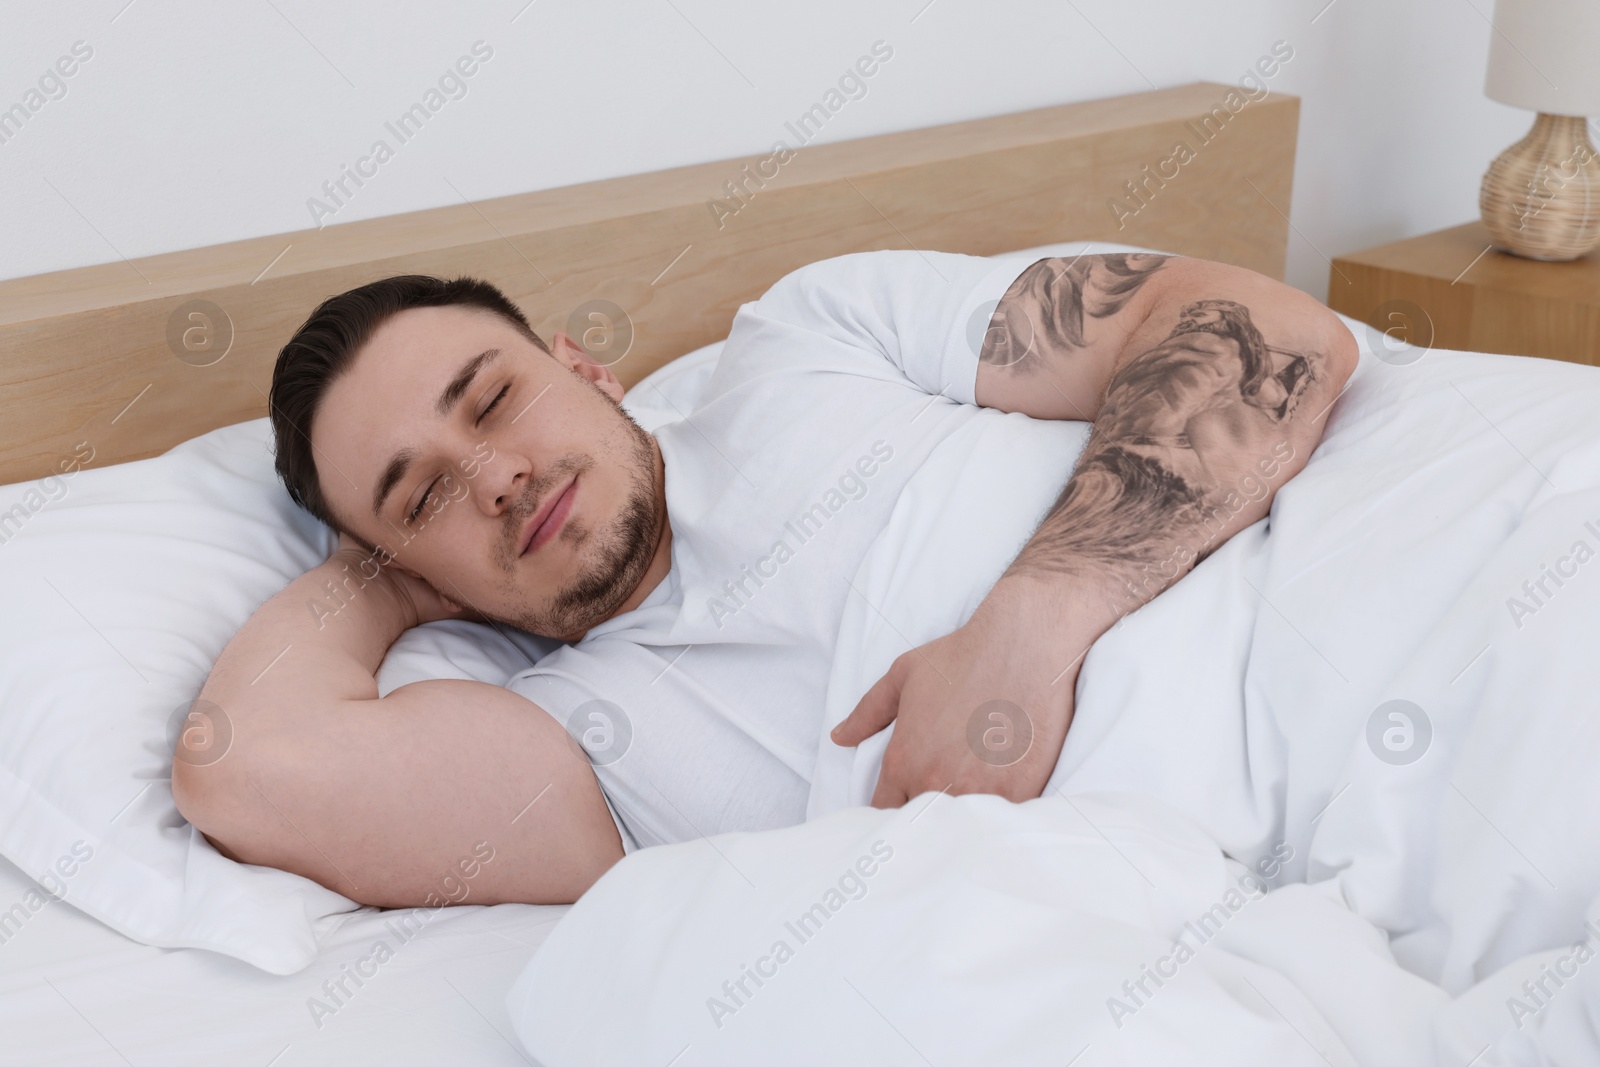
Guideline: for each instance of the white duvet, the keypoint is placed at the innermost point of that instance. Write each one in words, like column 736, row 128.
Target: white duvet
column 1380, row 704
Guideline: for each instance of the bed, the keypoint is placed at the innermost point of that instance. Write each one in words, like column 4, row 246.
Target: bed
column 1370, row 949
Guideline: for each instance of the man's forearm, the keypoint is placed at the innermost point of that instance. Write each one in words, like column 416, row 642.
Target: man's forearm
column 1219, row 396
column 324, row 636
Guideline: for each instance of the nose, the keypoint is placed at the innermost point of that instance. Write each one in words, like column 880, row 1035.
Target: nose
column 500, row 481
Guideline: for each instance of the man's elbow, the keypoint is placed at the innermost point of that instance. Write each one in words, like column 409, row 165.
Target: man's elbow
column 206, row 796
column 1325, row 356
column 1343, row 353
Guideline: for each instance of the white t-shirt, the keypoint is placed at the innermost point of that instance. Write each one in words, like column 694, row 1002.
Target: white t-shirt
column 701, row 709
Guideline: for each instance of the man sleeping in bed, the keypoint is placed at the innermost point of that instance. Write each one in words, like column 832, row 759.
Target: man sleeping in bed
column 697, row 575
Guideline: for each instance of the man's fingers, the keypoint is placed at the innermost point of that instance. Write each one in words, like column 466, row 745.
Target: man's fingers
column 876, row 710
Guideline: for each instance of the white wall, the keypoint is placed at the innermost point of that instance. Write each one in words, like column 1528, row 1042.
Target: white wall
column 196, row 123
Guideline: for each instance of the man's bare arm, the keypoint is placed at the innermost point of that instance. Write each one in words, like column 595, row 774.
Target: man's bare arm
column 394, row 801
column 1208, row 386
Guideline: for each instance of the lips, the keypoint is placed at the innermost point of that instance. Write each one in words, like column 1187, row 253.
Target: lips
column 548, row 520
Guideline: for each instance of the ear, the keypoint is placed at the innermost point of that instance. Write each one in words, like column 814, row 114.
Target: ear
column 569, row 352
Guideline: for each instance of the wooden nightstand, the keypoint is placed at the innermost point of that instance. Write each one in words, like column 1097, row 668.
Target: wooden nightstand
column 1476, row 297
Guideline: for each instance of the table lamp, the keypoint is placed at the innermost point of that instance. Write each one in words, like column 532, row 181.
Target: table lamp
column 1541, row 197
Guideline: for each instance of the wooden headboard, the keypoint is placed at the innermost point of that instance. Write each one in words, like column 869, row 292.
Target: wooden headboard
column 132, row 357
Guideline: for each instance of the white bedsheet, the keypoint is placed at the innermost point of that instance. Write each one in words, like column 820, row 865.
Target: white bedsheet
column 75, row 992
column 1451, row 842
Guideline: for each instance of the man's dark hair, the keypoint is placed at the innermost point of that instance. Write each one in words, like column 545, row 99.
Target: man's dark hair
column 324, row 347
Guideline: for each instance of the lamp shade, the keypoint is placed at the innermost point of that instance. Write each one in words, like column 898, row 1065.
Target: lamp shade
column 1544, row 55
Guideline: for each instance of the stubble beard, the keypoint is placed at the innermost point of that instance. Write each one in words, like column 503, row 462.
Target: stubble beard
column 621, row 551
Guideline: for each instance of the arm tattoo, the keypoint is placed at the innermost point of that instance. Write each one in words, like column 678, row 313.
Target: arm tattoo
column 1042, row 313
column 1179, row 420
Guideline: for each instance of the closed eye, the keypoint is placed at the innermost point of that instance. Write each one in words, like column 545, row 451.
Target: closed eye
column 424, row 499
column 504, row 389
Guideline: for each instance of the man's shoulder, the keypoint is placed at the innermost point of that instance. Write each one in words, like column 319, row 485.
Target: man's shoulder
column 604, row 658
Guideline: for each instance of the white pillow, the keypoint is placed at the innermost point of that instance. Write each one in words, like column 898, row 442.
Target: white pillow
column 123, row 584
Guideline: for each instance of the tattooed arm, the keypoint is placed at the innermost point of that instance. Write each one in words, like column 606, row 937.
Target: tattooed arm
column 1208, row 386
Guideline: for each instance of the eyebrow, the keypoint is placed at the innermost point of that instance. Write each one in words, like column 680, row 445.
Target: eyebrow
column 463, row 380
column 401, row 461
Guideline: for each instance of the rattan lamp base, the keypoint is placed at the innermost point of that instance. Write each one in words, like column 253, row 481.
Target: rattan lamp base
column 1541, row 197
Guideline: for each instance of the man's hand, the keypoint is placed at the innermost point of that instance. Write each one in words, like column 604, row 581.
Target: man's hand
column 422, row 602
column 984, row 709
